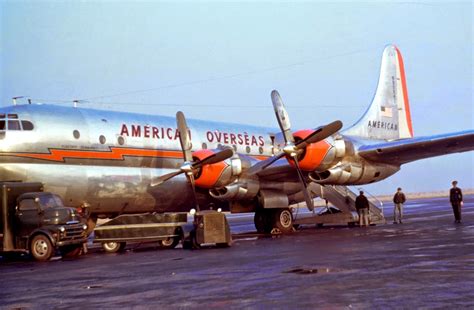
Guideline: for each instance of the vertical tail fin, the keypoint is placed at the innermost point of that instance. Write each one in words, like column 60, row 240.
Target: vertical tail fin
column 388, row 117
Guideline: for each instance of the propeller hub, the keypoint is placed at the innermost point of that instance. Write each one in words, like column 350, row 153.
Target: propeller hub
column 290, row 150
column 187, row 167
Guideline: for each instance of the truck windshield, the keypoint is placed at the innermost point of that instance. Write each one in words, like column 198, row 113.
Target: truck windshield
column 50, row 201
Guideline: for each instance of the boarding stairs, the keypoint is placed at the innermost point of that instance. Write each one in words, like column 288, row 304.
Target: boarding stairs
column 343, row 199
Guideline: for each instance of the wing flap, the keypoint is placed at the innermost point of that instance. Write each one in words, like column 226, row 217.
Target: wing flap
column 408, row 150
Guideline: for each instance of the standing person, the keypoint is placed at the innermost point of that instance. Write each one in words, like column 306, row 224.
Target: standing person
column 398, row 200
column 455, row 196
column 362, row 206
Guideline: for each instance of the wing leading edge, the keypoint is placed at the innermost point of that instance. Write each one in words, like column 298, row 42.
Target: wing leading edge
column 408, row 150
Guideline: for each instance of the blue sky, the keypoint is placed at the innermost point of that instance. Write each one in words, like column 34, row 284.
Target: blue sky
column 220, row 61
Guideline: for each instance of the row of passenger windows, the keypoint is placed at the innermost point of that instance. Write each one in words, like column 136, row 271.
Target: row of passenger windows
column 11, row 122
column 121, row 141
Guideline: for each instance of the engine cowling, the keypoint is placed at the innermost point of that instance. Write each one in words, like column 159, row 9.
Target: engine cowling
column 320, row 155
column 238, row 190
column 218, row 174
column 353, row 174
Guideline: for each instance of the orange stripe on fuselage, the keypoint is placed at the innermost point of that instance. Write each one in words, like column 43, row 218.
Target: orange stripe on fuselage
column 405, row 92
column 113, row 154
column 60, row 155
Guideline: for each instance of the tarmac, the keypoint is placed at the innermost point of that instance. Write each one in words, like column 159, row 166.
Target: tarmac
column 425, row 263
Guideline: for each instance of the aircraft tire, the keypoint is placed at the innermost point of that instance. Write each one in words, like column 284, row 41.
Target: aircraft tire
column 113, row 247
column 283, row 220
column 262, row 221
column 41, row 248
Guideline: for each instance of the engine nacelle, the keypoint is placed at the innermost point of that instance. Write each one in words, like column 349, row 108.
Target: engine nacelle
column 239, row 190
column 218, row 174
column 321, row 155
column 354, row 174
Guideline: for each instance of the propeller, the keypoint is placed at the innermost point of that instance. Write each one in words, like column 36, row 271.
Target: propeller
column 190, row 167
column 292, row 148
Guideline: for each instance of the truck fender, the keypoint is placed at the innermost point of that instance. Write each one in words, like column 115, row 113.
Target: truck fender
column 41, row 231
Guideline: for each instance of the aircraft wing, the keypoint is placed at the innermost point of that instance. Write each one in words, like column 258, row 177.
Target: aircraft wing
column 407, row 150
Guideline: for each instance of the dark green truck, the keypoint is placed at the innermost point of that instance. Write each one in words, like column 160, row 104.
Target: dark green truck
column 38, row 223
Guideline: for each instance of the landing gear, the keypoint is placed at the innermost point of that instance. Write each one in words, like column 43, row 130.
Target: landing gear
column 262, row 220
column 269, row 220
column 283, row 220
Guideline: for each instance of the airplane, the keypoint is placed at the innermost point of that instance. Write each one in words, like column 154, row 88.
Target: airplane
column 120, row 163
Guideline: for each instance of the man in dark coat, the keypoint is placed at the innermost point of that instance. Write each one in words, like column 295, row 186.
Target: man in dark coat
column 455, row 196
column 398, row 201
column 362, row 206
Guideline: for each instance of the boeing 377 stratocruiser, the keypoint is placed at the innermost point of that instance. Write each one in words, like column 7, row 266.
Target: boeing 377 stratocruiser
column 130, row 163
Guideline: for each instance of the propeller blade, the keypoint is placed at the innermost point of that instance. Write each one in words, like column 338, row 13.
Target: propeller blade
column 282, row 117
column 263, row 164
column 307, row 197
column 191, row 180
column 184, row 138
column 159, row 180
column 215, row 158
column 320, row 134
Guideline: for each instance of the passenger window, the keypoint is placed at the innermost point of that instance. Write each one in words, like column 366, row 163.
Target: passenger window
column 28, row 204
column 27, row 125
column 13, row 116
column 2, row 125
column 2, row 115
column 13, row 125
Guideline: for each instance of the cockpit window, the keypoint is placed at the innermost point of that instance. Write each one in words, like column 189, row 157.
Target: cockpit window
column 13, row 122
column 14, row 125
column 27, row 125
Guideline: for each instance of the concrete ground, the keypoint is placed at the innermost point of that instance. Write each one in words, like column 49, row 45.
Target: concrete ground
column 427, row 262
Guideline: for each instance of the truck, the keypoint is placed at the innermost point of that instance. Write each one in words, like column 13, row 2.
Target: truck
column 38, row 222
column 168, row 229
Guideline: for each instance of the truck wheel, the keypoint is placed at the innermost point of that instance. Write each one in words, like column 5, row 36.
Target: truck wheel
column 283, row 220
column 41, row 248
column 169, row 243
column 71, row 251
column 113, row 247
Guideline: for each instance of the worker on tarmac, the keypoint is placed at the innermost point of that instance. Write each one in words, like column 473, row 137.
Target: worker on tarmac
column 398, row 201
column 362, row 206
column 455, row 197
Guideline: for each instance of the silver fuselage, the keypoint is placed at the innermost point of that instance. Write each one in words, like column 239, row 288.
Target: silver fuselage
column 108, row 159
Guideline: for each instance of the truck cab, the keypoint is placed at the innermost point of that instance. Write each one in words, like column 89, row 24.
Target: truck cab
column 38, row 222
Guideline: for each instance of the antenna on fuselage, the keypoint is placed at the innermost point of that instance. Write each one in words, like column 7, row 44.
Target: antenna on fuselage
column 15, row 98
column 76, row 102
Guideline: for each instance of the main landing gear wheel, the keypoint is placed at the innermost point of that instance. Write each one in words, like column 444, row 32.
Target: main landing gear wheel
column 262, row 220
column 283, row 220
column 113, row 247
column 41, row 248
column 266, row 220
column 169, row 243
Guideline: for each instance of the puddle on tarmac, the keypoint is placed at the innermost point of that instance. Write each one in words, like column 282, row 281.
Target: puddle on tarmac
column 313, row 270
column 88, row 287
